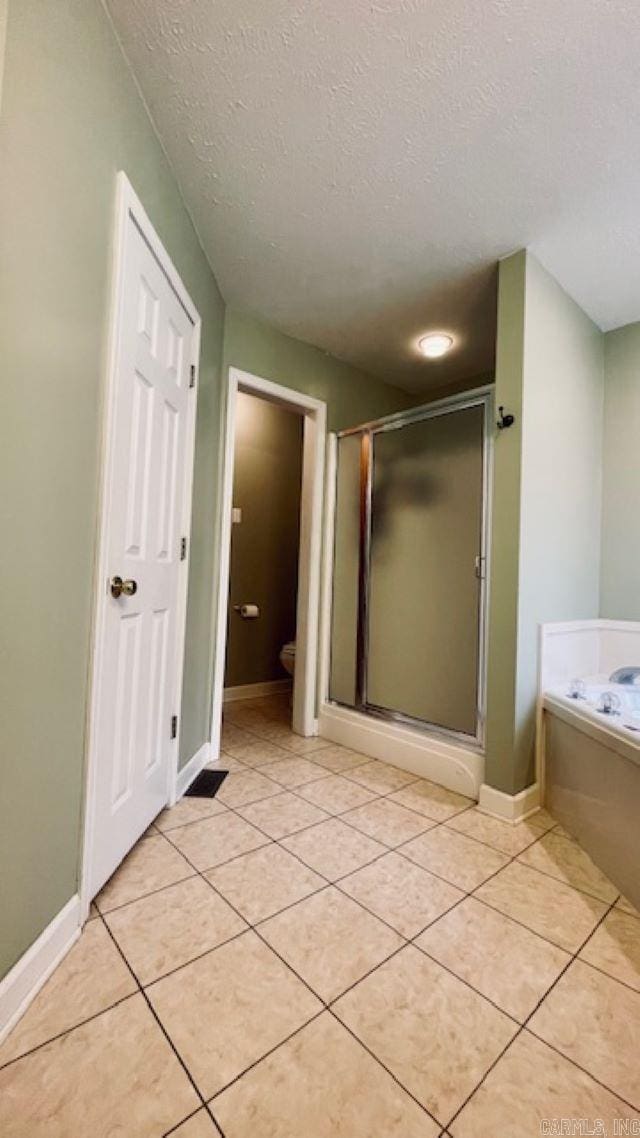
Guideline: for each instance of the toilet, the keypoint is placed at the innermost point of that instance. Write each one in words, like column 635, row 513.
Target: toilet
column 288, row 657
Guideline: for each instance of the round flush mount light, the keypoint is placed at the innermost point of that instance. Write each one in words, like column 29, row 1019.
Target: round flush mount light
column 436, row 344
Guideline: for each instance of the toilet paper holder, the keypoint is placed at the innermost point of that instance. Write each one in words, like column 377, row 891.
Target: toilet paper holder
column 247, row 611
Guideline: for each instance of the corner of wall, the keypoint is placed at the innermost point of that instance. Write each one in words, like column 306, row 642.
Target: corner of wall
column 505, row 527
column 620, row 539
column 555, row 532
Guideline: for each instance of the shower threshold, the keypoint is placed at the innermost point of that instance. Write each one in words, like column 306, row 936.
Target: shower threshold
column 456, row 763
column 423, row 725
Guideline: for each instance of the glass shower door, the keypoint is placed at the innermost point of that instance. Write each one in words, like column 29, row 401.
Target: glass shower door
column 424, row 592
column 345, row 618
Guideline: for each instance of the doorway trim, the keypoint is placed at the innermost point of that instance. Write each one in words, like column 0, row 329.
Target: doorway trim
column 128, row 205
column 314, row 413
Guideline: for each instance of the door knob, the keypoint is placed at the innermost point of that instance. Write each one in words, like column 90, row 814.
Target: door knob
column 118, row 586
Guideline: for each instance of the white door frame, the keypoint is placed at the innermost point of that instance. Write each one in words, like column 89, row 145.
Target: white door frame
column 314, row 442
column 128, row 205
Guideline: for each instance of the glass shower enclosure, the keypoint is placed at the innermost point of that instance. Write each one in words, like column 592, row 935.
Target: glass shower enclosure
column 408, row 614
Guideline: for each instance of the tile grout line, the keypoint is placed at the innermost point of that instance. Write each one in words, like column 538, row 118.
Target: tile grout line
column 66, row 1031
column 194, row 1114
column 164, row 1031
column 191, row 821
column 326, row 1007
column 384, row 1067
column 256, row 928
column 282, row 746
column 578, row 888
column 388, row 794
column 470, row 895
column 434, row 823
column 267, row 1054
column 253, row 928
column 336, row 882
column 407, row 940
column 399, row 849
column 142, row 989
column 577, row 958
column 192, row 959
column 142, row 897
column 511, row 858
column 601, row 971
column 585, row 1070
column 342, row 816
column 572, row 956
column 276, row 841
column 329, row 883
column 473, row 893
column 524, row 1027
column 376, row 796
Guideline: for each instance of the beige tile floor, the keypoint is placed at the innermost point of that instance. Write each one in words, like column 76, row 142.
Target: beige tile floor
column 332, row 948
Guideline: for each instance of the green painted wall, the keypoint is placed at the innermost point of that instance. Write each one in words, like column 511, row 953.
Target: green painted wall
column 71, row 119
column 352, row 396
column 561, row 482
column 547, row 495
column 620, row 580
column 264, row 545
column 4, row 12
column 502, row 633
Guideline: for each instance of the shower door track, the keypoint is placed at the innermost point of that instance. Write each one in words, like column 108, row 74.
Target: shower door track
column 479, row 397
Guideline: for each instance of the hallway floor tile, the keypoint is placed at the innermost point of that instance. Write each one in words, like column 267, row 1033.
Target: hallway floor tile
column 334, row 948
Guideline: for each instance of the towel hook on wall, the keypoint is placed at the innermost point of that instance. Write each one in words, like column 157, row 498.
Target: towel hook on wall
column 505, row 420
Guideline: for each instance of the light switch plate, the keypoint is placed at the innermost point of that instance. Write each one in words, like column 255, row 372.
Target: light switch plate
column 236, row 516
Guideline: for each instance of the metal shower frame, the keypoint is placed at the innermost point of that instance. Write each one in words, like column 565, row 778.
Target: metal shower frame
column 480, row 397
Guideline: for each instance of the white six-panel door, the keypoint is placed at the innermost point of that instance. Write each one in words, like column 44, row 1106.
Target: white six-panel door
column 140, row 634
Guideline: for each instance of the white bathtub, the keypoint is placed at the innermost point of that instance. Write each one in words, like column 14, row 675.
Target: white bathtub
column 623, row 722
column 591, row 776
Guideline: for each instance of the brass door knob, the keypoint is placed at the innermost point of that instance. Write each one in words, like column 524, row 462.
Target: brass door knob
column 118, row 586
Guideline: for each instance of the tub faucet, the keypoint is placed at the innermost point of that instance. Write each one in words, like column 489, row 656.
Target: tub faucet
column 627, row 675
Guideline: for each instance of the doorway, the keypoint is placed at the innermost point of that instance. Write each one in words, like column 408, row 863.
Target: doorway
column 265, row 543
column 139, row 626
column 312, row 414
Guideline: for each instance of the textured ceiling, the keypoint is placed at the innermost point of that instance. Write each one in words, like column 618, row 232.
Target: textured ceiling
column 355, row 168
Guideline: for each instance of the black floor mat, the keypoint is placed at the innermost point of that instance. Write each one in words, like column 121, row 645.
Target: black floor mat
column 206, row 784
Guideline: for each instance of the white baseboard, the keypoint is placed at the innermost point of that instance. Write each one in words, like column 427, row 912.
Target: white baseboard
column 510, row 807
column 33, row 969
column 449, row 764
column 255, row 691
column 192, row 768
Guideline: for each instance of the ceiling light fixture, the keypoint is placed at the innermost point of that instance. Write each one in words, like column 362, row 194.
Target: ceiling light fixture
column 436, row 344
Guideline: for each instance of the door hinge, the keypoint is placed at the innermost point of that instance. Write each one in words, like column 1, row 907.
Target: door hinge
column 174, row 726
column 480, row 564
column 183, row 549
column 192, row 376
